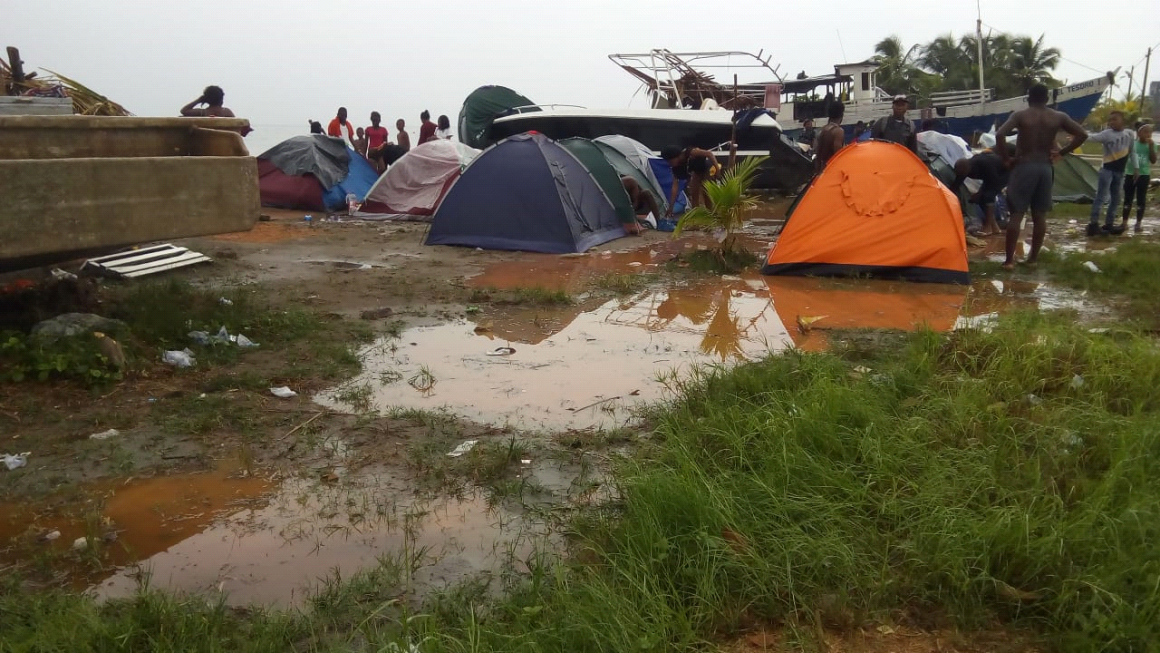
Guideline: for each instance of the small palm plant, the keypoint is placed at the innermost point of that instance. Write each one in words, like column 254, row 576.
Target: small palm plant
column 729, row 199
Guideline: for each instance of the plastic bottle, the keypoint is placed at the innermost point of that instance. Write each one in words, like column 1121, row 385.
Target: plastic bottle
column 351, row 203
column 309, row 220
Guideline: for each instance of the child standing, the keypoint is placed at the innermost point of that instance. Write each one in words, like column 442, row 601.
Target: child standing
column 1138, row 175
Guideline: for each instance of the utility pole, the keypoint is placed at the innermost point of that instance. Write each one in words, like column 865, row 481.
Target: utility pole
column 979, row 39
column 1131, row 72
column 1144, row 86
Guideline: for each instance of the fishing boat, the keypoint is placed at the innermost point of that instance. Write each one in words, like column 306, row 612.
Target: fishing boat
column 686, row 81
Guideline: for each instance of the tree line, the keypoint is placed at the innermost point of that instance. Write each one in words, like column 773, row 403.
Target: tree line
column 1011, row 64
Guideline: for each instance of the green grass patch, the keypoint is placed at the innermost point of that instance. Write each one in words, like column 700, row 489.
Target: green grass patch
column 984, row 477
column 532, row 295
column 710, row 261
column 1131, row 271
column 622, row 284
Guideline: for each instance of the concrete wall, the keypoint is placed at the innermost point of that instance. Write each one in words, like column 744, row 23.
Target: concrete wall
column 69, row 207
column 73, row 186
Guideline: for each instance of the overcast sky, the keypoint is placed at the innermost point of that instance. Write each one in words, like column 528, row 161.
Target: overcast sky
column 284, row 61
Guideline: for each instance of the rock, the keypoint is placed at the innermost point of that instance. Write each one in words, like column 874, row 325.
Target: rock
column 75, row 324
column 377, row 313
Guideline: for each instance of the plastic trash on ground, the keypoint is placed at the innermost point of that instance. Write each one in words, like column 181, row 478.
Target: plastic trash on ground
column 244, row 342
column 15, row 461
column 464, row 447
column 1091, row 266
column 105, row 435
column 984, row 322
column 225, row 301
column 502, row 351
column 283, row 392
column 183, row 358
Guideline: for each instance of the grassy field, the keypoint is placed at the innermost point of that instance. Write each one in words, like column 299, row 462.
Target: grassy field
column 966, row 479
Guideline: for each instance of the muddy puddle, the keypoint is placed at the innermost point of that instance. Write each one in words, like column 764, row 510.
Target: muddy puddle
column 266, row 541
column 593, row 362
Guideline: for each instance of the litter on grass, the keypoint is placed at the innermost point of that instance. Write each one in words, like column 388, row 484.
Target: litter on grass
column 283, row 392
column 183, row 358
column 15, row 461
column 105, row 435
column 464, row 447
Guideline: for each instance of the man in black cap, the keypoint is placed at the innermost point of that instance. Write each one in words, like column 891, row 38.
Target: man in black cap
column 897, row 127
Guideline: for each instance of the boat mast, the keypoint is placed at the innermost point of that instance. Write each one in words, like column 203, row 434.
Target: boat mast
column 979, row 40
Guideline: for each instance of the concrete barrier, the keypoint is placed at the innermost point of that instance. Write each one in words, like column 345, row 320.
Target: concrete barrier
column 73, row 186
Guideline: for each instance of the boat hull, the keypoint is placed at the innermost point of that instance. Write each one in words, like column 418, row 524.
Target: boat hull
column 787, row 168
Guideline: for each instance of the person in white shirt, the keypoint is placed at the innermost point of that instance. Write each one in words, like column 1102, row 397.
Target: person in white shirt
column 444, row 131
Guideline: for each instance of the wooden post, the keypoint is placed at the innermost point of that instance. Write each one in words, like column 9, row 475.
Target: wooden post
column 1144, row 87
column 733, row 134
column 17, row 67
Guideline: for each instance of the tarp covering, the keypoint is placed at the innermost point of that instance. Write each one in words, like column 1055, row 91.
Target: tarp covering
column 289, row 173
column 525, row 193
column 326, row 158
column 416, row 183
column 874, row 211
column 484, row 105
column 604, row 174
column 1075, row 180
column 360, row 176
column 639, row 156
column 947, row 147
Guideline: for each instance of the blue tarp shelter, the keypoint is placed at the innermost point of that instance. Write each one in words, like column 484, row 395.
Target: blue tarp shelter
column 526, row 193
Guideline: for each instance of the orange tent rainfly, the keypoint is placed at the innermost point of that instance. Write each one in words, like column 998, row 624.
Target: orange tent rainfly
column 874, row 211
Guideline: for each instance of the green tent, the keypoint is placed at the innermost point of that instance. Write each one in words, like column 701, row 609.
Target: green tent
column 605, row 175
column 624, row 168
column 1076, row 180
column 483, row 106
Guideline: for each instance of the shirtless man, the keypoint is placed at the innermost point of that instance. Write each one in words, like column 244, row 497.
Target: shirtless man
column 1032, row 175
column 212, row 97
column 643, row 203
column 832, row 137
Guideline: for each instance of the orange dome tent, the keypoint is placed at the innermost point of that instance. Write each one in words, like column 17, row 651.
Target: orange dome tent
column 874, row 211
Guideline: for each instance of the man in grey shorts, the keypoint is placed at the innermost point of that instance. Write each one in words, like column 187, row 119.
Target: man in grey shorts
column 1032, row 176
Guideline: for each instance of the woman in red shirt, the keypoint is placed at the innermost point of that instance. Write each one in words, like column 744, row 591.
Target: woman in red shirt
column 377, row 136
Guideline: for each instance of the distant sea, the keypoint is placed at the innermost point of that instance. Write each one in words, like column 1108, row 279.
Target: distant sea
column 266, row 135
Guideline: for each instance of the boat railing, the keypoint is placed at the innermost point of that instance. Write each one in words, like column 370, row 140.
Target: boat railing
column 974, row 96
column 540, row 107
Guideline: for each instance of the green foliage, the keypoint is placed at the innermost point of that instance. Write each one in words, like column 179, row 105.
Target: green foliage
column 1098, row 118
column 730, row 199
column 24, row 357
column 1011, row 64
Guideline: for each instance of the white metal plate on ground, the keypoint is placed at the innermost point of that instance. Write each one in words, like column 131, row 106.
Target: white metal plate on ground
column 145, row 261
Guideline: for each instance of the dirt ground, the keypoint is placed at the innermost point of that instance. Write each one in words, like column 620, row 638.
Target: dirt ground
column 194, row 445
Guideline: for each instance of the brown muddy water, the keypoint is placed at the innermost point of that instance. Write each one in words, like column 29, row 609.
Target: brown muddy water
column 591, row 363
column 258, row 540
column 594, row 362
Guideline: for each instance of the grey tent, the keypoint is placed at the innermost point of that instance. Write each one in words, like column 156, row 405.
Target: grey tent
column 625, row 168
column 526, row 193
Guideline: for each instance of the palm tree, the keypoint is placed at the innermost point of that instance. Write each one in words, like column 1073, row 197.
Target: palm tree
column 729, row 200
column 1031, row 63
column 896, row 65
column 944, row 57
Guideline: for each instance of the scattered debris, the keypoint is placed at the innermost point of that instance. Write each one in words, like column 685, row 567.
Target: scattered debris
column 226, row 301
column 80, row 544
column 635, row 264
column 61, row 275
column 805, row 323
column 464, row 447
column 110, row 349
column 377, row 313
column 105, row 435
column 1091, row 266
column 283, row 392
column 149, row 260
column 885, row 630
column 1077, row 381
column 502, row 351
column 68, row 325
column 50, row 536
column 16, row 460
column 183, row 358
column 985, row 322
column 471, row 309
column 220, row 338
